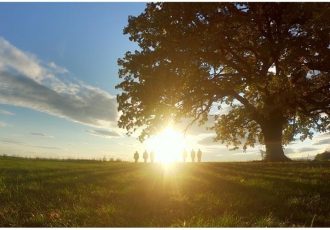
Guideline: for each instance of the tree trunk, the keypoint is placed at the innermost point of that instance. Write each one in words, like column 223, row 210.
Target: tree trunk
column 272, row 131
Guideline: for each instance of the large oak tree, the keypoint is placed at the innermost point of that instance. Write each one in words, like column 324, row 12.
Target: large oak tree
column 268, row 61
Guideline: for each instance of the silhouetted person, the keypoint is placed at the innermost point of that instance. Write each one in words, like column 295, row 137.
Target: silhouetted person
column 145, row 156
column 184, row 155
column 152, row 157
column 136, row 156
column 263, row 154
column 193, row 154
column 199, row 155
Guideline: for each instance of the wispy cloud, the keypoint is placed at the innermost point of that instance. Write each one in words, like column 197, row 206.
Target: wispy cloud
column 10, row 141
column 5, row 112
column 45, row 147
column 103, row 133
column 325, row 141
column 28, row 82
column 21, row 143
column 57, row 69
column 11, row 58
column 324, row 135
column 208, row 140
column 306, row 149
column 41, row 135
column 195, row 128
column 297, row 151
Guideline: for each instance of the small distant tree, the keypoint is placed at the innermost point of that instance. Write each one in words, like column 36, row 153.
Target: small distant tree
column 268, row 61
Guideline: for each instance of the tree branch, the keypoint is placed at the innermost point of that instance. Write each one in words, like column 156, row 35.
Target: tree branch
column 208, row 106
column 247, row 104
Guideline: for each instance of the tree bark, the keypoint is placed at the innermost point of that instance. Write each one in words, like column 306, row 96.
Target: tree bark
column 272, row 131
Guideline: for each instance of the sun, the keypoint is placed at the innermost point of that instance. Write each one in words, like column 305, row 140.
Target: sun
column 167, row 145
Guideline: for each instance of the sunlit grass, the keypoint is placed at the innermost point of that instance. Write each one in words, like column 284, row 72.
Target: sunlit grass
column 69, row 193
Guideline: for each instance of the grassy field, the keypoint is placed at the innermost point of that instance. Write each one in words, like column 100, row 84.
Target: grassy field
column 82, row 193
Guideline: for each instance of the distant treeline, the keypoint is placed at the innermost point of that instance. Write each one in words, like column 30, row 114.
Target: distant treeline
column 111, row 159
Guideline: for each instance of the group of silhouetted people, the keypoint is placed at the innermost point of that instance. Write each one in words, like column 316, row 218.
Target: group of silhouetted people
column 184, row 156
column 145, row 157
column 192, row 155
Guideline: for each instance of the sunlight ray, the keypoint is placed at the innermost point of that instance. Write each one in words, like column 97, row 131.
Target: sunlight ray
column 167, row 145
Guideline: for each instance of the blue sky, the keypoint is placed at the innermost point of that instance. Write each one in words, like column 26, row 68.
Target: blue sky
column 85, row 38
column 58, row 65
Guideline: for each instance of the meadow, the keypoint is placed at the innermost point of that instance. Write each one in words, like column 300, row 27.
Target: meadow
column 121, row 194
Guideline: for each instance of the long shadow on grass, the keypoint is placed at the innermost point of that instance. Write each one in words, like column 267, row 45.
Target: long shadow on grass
column 265, row 199
column 302, row 181
column 308, row 169
column 72, row 176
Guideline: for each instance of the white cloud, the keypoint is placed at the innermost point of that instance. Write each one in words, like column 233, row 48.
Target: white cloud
column 26, row 82
column 26, row 64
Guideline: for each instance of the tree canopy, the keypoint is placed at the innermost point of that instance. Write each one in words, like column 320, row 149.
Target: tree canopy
column 268, row 61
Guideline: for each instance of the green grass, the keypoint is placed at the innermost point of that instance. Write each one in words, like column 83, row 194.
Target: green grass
column 82, row 193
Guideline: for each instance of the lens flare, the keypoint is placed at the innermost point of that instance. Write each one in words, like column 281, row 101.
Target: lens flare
column 167, row 145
